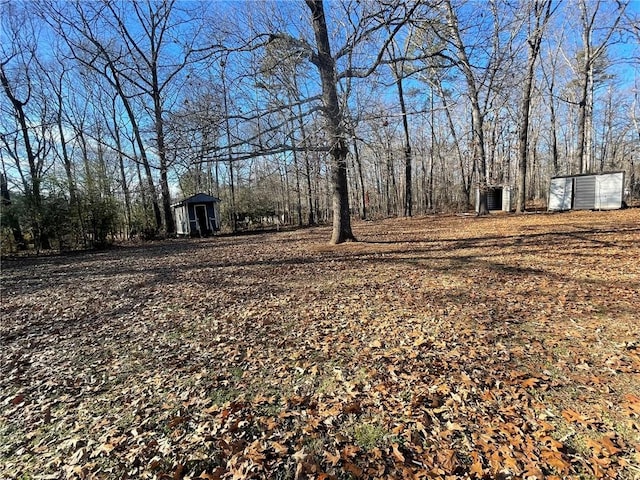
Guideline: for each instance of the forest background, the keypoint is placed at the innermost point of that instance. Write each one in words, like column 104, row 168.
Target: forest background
column 300, row 113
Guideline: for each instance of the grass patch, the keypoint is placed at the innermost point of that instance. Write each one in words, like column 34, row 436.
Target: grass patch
column 369, row 435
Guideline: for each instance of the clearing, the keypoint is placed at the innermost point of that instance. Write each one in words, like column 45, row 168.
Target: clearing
column 436, row 347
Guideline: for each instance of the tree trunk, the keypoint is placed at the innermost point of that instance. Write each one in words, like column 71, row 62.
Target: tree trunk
column 591, row 54
column 479, row 154
column 307, row 167
column 164, row 181
column 162, row 153
column 467, row 176
column 11, row 218
column 356, row 155
column 307, row 164
column 525, row 107
column 123, row 176
column 408, row 194
column 333, row 117
column 233, row 217
column 554, row 138
column 582, row 123
column 298, row 189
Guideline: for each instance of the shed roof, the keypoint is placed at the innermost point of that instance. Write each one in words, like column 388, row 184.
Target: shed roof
column 197, row 198
column 588, row 174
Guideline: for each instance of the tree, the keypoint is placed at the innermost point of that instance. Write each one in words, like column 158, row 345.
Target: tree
column 9, row 218
column 325, row 63
column 143, row 56
column 593, row 51
column 193, row 133
column 155, row 67
column 80, row 27
column 477, row 115
column 541, row 13
column 283, row 71
column 397, row 65
column 27, row 112
column 390, row 18
column 372, row 21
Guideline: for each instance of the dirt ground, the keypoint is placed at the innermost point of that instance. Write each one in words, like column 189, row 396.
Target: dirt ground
column 434, row 347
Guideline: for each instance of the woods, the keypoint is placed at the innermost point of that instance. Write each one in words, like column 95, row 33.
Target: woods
column 303, row 113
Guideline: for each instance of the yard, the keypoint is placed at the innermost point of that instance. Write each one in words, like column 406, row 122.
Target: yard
column 435, row 347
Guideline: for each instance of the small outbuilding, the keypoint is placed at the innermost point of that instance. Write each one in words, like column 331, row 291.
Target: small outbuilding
column 198, row 215
column 589, row 191
column 499, row 197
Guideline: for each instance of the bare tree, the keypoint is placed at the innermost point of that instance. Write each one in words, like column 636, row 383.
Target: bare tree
column 27, row 112
column 78, row 28
column 483, row 50
column 397, row 65
column 155, row 66
column 477, row 115
column 324, row 61
column 143, row 56
column 593, row 51
column 541, row 11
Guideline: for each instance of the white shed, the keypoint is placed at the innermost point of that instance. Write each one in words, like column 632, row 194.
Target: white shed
column 591, row 191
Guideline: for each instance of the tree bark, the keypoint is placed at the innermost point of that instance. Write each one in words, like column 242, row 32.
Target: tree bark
column 356, row 156
column 233, row 217
column 156, row 95
column 11, row 218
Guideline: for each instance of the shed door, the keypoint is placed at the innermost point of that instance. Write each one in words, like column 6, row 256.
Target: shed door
column 506, row 199
column 585, row 193
column 494, row 198
column 201, row 218
column 182, row 220
column 560, row 193
column 609, row 190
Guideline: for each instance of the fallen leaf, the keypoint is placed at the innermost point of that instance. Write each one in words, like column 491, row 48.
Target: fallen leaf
column 299, row 456
column 396, row 453
column 332, row 458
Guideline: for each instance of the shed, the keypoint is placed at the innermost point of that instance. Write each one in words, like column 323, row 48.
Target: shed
column 498, row 198
column 589, row 191
column 198, row 215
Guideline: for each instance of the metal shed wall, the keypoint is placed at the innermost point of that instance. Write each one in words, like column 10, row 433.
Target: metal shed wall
column 584, row 193
column 506, row 198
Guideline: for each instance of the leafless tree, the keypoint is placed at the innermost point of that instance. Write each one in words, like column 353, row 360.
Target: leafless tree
column 541, row 13
column 26, row 116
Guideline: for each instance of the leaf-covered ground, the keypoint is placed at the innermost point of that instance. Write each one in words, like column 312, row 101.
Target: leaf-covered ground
column 439, row 347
